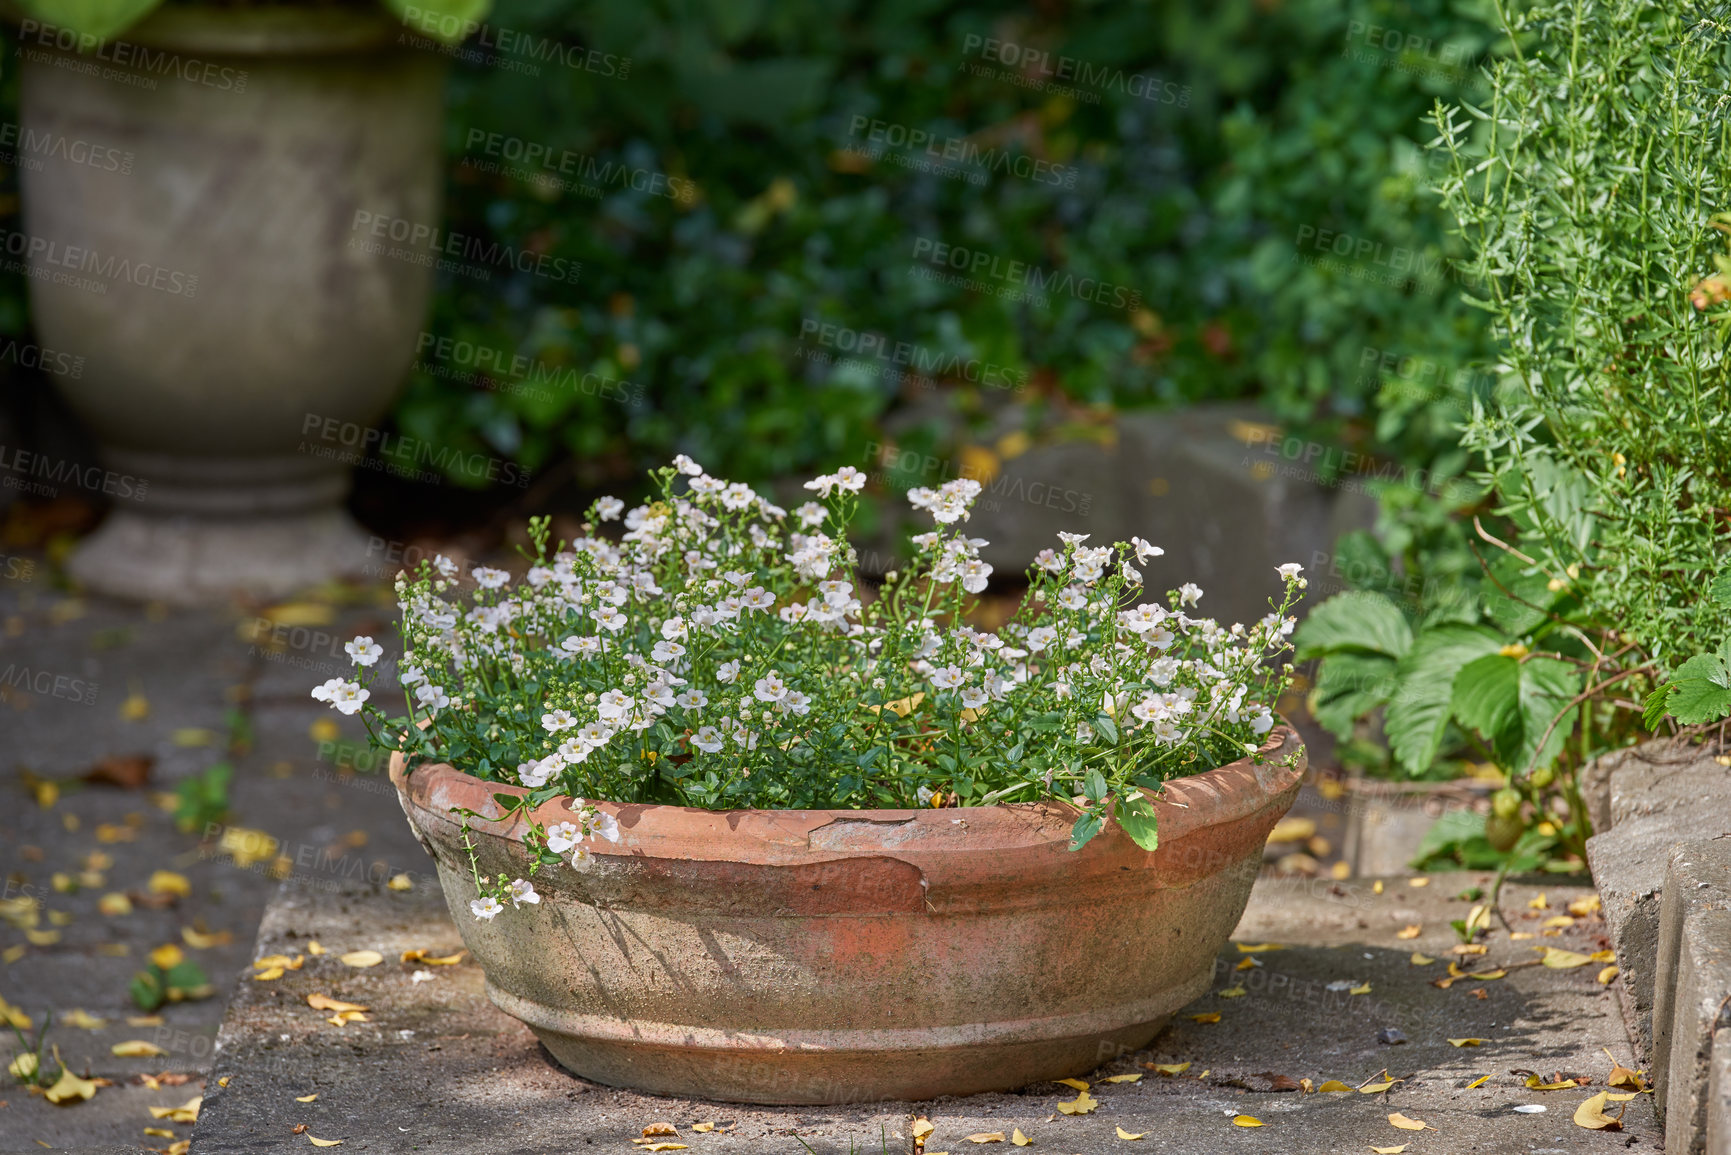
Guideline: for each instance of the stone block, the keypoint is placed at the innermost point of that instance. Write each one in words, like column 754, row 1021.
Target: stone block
column 1697, row 880
column 1703, row 986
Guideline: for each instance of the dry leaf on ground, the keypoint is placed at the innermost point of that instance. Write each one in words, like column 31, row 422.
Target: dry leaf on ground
column 1390, row 1150
column 1123, row 1134
column 1406, row 1124
column 1246, row 1121
column 1082, row 1104
column 1237, row 992
column 1210, row 1017
column 1077, row 1084
column 1478, row 1082
column 1564, row 959
column 1168, row 1068
column 1019, row 1139
column 662, row 1128
column 187, row 1112
column 1465, row 1042
column 1538, row 1084
column 1591, row 1113
column 136, row 1049
column 326, row 1003
column 69, row 1089
column 1411, row 930
column 1123, row 1078
column 421, row 956
column 1334, row 1085
column 986, row 1137
column 362, row 958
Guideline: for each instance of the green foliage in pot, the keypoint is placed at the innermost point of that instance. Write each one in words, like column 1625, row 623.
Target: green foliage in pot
column 97, row 21
column 724, row 653
column 1585, row 187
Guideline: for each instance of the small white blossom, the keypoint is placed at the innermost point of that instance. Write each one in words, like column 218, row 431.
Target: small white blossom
column 562, row 836
column 489, row 579
column 364, row 650
column 485, row 908
column 522, row 890
column 609, row 508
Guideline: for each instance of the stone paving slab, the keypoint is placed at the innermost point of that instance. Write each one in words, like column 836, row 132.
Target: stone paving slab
column 438, row 1069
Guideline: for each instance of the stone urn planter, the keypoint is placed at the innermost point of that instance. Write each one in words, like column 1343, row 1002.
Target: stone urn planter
column 858, row 955
column 237, row 338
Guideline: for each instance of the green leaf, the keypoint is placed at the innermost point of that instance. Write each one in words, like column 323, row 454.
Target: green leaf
column 1094, row 786
column 1528, row 601
column 1014, row 754
column 146, row 990
column 1700, row 690
column 1087, row 826
column 508, row 801
column 1354, row 621
column 1656, row 706
column 1547, row 686
column 1418, row 710
column 449, row 21
column 1487, row 699
column 1136, row 815
column 1106, row 728
column 1350, row 685
column 1720, row 589
column 96, row 19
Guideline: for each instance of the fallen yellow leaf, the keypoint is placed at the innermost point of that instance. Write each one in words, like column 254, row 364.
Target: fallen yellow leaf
column 1603, row 956
column 1465, row 1042
column 144, row 1020
column 313, row 948
column 266, row 976
column 1478, row 1082
column 136, row 708
column 1538, row 1084
column 1376, row 887
column 1583, row 907
column 1168, row 1068
column 674, row 1147
column 43, row 937
column 1538, row 903
column 278, row 960
column 1591, row 1114
column 1210, row 1017
column 114, row 904
column 306, row 1098
column 1606, row 975
column 1361, row 989
column 1019, row 1139
column 326, row 1003
column 421, row 956
column 1564, row 959
column 168, row 882
column 362, row 958
column 136, row 1049
column 1257, row 948
column 400, row 882
column 1418, row 882
column 922, row 1128
column 1236, row 992
column 70, row 1090
column 1123, row 1078
column 167, row 956
column 1247, row 963
column 1082, row 1104
column 159, row 1132
column 1246, row 1121
column 705, row 1127
column 247, row 846
column 1123, row 1134
column 1411, row 930
column 1421, row 960
column 83, row 1020
column 343, row 1018
column 986, row 1137
column 1560, row 920
column 1391, row 1150
column 661, row 1128
column 317, row 1142
column 1406, row 1124
column 1293, row 830
column 1076, row 1083
column 187, row 1112
column 200, row 941
column 1334, row 1085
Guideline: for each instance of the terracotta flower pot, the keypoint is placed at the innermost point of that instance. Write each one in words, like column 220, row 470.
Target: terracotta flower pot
column 829, row 956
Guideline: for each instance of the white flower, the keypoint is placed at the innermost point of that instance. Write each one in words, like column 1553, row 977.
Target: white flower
column 1073, row 597
column 738, row 496
column 609, row 508
column 757, row 598
column 1040, row 637
column 1073, row 538
column 659, row 695
column 1132, row 575
column 485, row 908
column 822, row 484
column 489, row 579
column 795, row 702
column 594, row 735
column 556, row 720
column 583, row 647
column 770, row 688
column 1289, row 571
column 325, row 692
column 608, row 618
column 1189, row 594
column 708, row 739
column 973, row 698
column 692, row 699
column 445, row 566
column 948, row 677
column 433, row 697
column 615, row 704
column 562, row 836
column 364, row 650
column 728, row 672
column 974, row 575
column 1049, row 561
column 665, row 652
column 346, row 697
column 1084, row 733
column 850, row 479
column 674, row 629
column 534, row 774
column 687, row 466
column 522, row 890
column 606, row 826
column 1140, row 619
column 811, row 515
column 409, row 675
column 1144, row 551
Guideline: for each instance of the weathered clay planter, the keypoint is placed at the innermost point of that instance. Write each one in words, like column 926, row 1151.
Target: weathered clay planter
column 836, row 956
